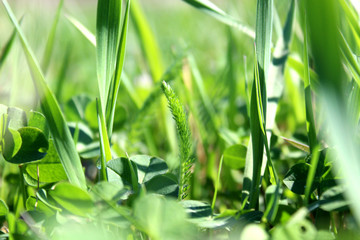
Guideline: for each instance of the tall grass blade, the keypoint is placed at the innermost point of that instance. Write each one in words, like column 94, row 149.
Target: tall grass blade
column 92, row 39
column 60, row 80
column 275, row 86
column 352, row 19
column 186, row 158
column 7, row 47
column 311, row 175
column 217, row 183
column 350, row 59
column 51, row 39
column 84, row 31
column 149, row 44
column 264, row 18
column 105, row 151
column 151, row 51
column 107, row 38
column 115, row 82
column 259, row 103
column 211, row 9
column 275, row 81
column 50, row 107
column 205, row 99
column 300, row 68
column 310, row 122
column 354, row 105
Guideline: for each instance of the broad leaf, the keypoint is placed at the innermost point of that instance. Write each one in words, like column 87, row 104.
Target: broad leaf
column 48, row 170
column 34, row 146
column 148, row 167
column 333, row 200
column 234, row 156
column 295, row 178
column 162, row 225
column 165, row 184
column 72, row 198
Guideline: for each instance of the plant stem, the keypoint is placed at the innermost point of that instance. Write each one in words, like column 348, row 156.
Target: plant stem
column 217, row 184
column 22, row 186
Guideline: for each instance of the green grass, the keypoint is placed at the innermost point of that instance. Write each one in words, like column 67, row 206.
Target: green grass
column 179, row 119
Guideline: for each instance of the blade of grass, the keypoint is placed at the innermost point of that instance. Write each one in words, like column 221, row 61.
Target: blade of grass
column 148, row 41
column 107, row 38
column 350, row 59
column 352, row 19
column 247, row 90
column 311, row 175
column 83, row 30
column 272, row 206
column 217, row 183
column 298, row 145
column 354, row 105
column 105, row 151
column 151, row 51
column 259, row 102
column 60, row 132
column 91, row 38
column 275, row 81
column 258, row 111
column 299, row 68
column 60, row 80
column 115, row 82
column 310, row 122
column 205, row 99
column 8, row 45
column 214, row 11
column 274, row 87
column 51, row 39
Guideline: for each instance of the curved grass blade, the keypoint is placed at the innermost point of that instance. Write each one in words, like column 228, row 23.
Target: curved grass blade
column 115, row 82
column 60, row 79
column 60, row 132
column 351, row 18
column 350, row 59
column 84, row 31
column 300, row 68
column 148, row 41
column 51, row 39
column 205, row 99
column 151, row 51
column 211, row 9
column 7, row 47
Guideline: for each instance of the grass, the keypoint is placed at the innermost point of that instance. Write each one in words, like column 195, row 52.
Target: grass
column 192, row 119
